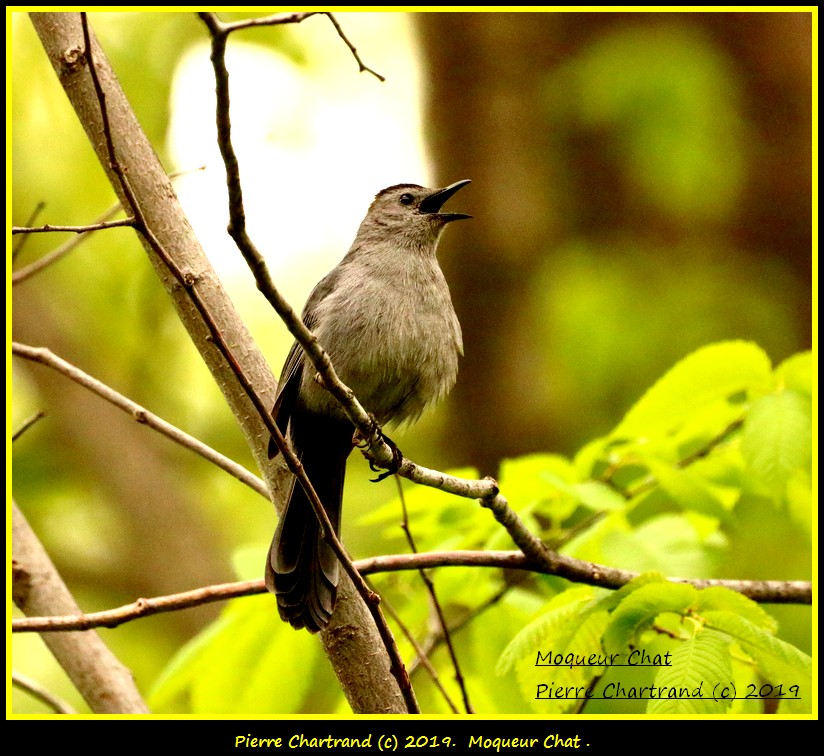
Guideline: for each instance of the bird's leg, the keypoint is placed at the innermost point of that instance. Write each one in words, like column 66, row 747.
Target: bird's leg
column 363, row 444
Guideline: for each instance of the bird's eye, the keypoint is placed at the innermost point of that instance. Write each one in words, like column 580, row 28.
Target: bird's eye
column 407, row 199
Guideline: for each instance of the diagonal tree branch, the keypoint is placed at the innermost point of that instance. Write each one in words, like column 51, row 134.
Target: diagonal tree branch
column 140, row 414
column 367, row 684
column 105, row 684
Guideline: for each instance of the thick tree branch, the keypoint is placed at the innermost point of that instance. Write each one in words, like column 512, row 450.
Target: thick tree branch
column 123, row 149
column 37, row 589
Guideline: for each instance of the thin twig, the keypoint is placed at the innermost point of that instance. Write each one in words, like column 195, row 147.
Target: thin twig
column 273, row 20
column 650, row 481
column 48, row 228
column 43, row 262
column 227, row 27
column 28, row 424
column 53, row 256
column 18, row 248
column 435, row 639
column 362, row 67
column 421, row 657
column 143, row 607
column 140, row 414
column 430, row 587
column 36, row 690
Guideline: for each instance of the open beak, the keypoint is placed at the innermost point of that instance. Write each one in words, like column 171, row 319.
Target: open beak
column 435, row 201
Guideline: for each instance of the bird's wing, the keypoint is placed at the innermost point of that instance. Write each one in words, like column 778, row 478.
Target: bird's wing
column 292, row 374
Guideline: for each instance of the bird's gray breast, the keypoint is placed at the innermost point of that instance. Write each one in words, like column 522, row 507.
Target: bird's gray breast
column 392, row 335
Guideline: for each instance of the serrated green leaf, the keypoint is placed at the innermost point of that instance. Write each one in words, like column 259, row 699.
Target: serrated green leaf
column 718, row 598
column 779, row 662
column 713, row 373
column 777, row 438
column 612, row 599
column 584, row 644
column 639, row 610
column 556, row 624
column 698, row 665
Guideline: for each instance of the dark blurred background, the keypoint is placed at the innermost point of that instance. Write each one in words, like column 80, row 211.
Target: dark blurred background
column 643, row 187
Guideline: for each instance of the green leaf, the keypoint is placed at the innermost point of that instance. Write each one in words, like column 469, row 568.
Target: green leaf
column 777, row 438
column 718, row 598
column 698, row 665
column 227, row 669
column 554, row 626
column 796, row 373
column 610, row 600
column 639, row 610
column 667, row 543
column 584, row 644
column 714, row 373
column 779, row 662
column 689, row 490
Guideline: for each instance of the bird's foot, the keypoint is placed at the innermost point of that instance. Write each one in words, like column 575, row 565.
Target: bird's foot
column 363, row 444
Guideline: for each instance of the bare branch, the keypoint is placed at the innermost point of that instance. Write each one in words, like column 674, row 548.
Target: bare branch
column 256, row 263
column 37, row 589
column 218, row 27
column 579, row 571
column 430, row 587
column 24, row 273
column 140, row 414
column 143, row 607
column 36, row 690
column 352, row 49
column 128, row 222
column 28, row 423
column 18, row 248
column 575, row 570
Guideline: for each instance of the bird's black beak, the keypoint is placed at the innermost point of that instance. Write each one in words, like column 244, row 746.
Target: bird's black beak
column 435, row 201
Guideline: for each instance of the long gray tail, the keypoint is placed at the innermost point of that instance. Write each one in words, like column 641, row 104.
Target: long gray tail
column 302, row 570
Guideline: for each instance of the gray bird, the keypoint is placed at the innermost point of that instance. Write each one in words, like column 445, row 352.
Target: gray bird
column 385, row 317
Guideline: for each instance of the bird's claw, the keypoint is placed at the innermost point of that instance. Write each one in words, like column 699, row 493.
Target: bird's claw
column 394, row 466
column 363, row 444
